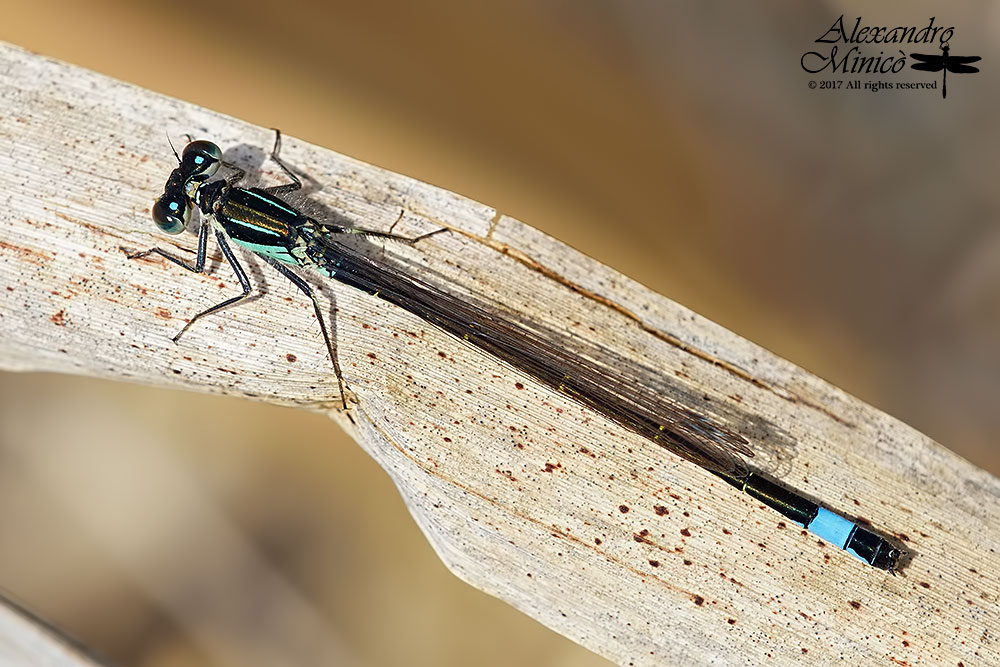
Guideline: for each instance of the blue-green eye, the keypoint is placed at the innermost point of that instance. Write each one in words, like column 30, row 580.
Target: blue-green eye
column 171, row 213
column 200, row 160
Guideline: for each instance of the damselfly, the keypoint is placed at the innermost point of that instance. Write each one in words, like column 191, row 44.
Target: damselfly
column 260, row 220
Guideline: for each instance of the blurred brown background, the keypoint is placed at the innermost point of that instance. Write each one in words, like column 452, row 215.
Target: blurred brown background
column 852, row 232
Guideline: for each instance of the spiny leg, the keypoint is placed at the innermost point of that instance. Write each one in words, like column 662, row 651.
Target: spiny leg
column 199, row 262
column 240, row 275
column 296, row 183
column 330, row 346
column 395, row 222
column 334, row 228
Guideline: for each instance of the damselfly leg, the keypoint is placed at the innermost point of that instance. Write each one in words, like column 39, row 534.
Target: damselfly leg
column 331, row 345
column 296, row 183
column 241, row 275
column 199, row 267
column 332, row 228
column 199, row 262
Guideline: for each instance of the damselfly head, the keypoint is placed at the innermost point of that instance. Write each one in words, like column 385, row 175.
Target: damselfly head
column 198, row 162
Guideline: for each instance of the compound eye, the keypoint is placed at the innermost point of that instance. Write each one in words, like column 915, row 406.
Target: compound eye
column 201, row 159
column 171, row 213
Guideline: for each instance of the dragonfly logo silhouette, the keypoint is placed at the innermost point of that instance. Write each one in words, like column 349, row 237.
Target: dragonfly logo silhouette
column 944, row 63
